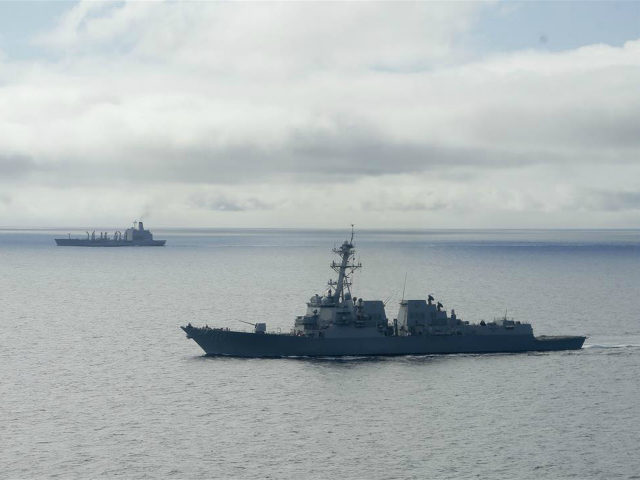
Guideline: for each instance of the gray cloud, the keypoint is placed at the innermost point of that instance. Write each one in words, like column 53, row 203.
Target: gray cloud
column 310, row 157
column 15, row 166
column 404, row 206
column 609, row 200
column 223, row 203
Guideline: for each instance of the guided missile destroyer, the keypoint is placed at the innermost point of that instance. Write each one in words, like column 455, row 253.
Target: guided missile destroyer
column 339, row 324
column 132, row 237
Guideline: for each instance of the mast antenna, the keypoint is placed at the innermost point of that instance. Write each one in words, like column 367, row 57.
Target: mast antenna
column 351, row 233
column 405, row 285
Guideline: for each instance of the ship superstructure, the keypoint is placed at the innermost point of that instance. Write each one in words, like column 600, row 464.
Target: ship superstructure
column 337, row 324
column 132, row 237
column 337, row 314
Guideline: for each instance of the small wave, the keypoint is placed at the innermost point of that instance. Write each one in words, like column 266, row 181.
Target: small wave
column 343, row 359
column 624, row 345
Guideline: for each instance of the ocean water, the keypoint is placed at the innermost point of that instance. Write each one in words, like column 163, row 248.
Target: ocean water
column 98, row 381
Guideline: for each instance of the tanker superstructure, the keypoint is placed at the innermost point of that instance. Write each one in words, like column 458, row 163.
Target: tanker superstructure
column 339, row 324
column 132, row 237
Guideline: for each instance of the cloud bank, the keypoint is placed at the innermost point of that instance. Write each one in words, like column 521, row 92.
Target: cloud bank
column 274, row 114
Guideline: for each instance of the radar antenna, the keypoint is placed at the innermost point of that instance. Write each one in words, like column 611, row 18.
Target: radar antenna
column 344, row 268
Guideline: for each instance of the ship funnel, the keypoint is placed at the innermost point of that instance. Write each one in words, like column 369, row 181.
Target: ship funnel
column 140, row 226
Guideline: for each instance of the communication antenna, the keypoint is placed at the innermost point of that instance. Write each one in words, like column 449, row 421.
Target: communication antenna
column 404, row 286
column 351, row 234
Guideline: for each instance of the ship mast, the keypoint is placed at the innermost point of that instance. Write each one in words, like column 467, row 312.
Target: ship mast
column 345, row 268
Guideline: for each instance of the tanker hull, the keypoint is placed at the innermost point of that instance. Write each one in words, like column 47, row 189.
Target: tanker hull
column 76, row 242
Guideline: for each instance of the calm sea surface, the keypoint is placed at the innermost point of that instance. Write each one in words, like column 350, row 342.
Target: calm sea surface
column 97, row 379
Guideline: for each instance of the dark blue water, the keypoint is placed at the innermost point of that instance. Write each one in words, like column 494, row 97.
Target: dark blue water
column 98, row 380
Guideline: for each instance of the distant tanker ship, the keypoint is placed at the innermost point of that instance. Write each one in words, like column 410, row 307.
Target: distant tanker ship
column 132, row 237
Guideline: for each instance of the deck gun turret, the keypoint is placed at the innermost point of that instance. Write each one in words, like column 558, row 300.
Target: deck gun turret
column 257, row 327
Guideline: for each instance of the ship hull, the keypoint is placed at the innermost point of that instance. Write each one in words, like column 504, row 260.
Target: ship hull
column 241, row 344
column 74, row 242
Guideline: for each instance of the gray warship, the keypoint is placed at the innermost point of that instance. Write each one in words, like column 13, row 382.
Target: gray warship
column 339, row 324
column 132, row 237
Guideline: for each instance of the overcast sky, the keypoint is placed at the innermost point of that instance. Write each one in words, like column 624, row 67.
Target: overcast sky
column 387, row 115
